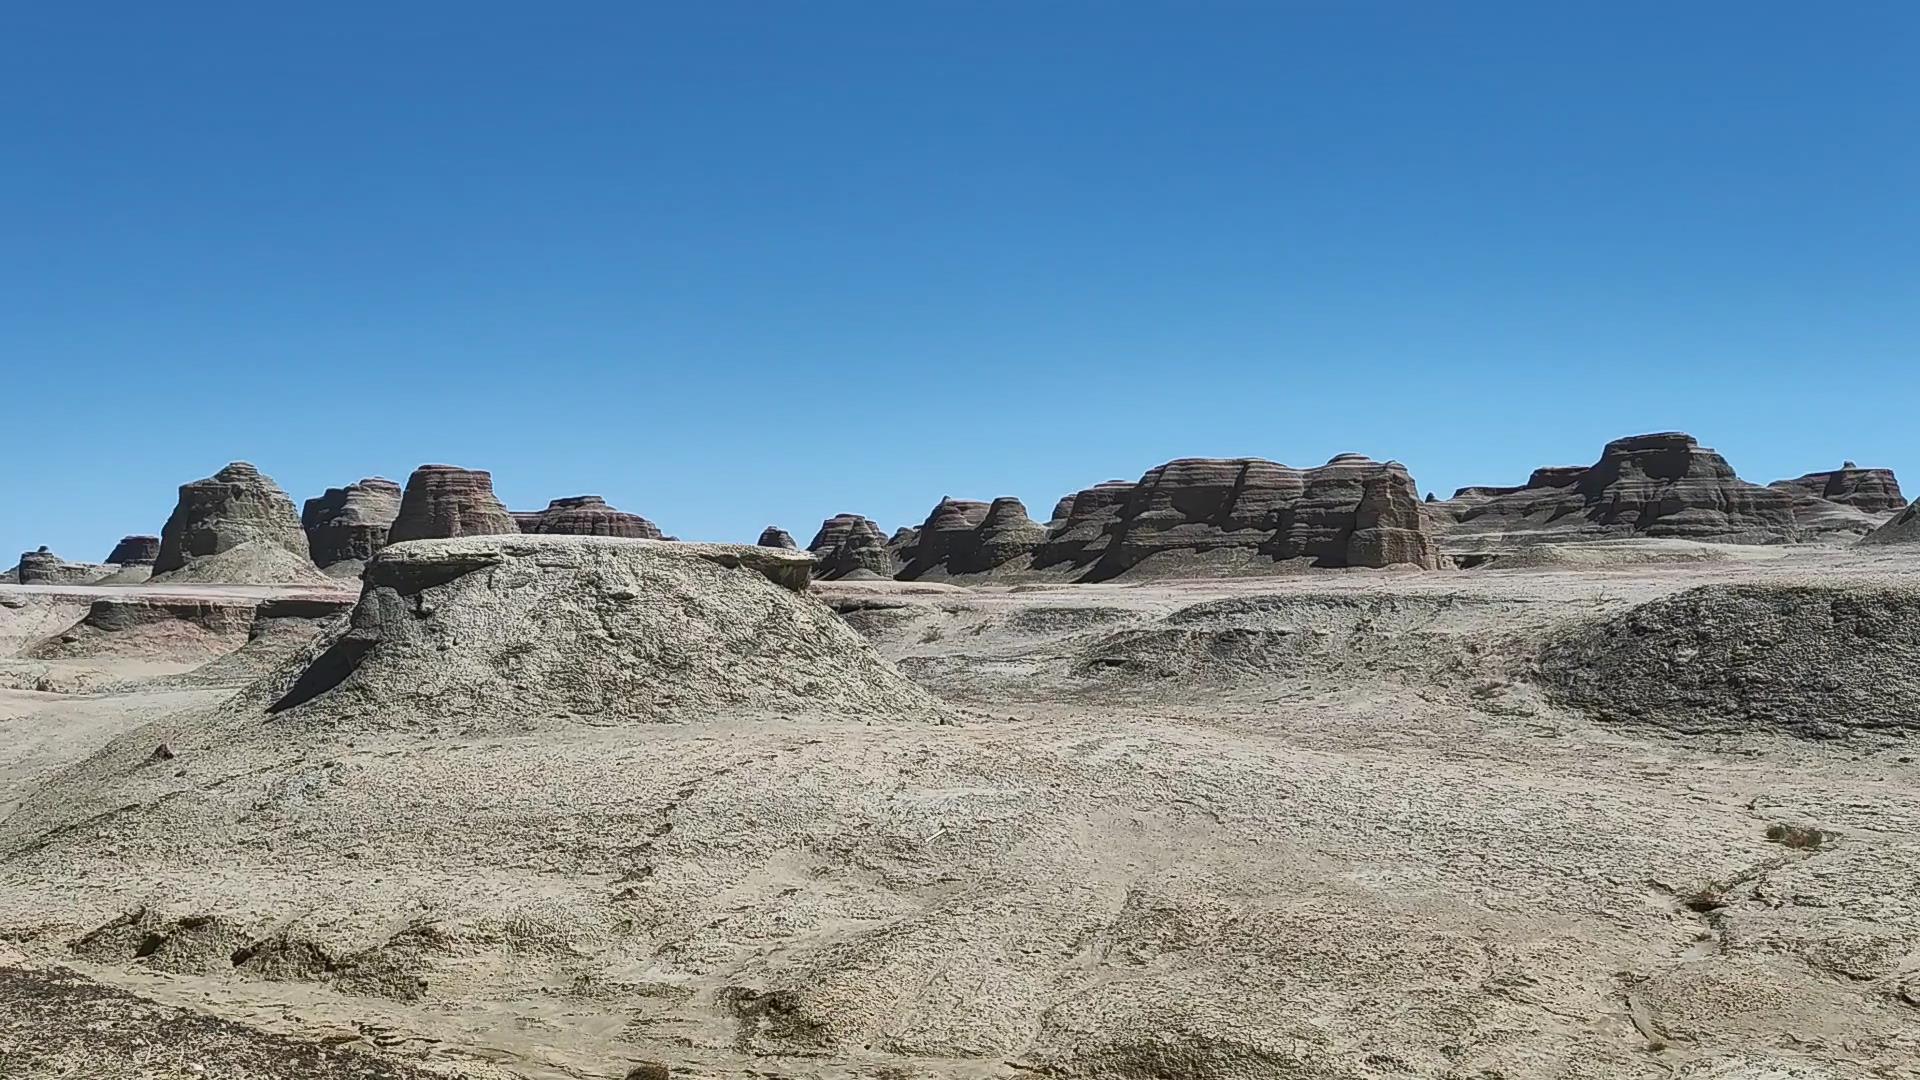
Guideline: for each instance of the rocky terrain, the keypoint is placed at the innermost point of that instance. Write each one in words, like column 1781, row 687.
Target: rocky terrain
column 1228, row 773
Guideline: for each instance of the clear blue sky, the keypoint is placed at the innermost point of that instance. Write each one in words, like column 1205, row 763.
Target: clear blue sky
column 730, row 264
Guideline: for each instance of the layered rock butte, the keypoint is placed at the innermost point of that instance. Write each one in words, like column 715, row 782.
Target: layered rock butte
column 237, row 526
column 1214, row 514
column 135, row 551
column 775, row 537
column 444, row 501
column 43, row 567
column 346, row 526
column 1663, row 485
column 586, row 515
column 850, row 544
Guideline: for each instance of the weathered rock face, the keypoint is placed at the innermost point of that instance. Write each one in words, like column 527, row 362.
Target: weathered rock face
column 586, row 515
column 1664, row 485
column 1874, row 491
column 346, row 525
column 1390, row 525
column 444, row 501
column 948, row 529
column 849, row 543
column 1219, row 515
column 235, row 526
column 1078, row 534
column 966, row 537
column 1903, row 529
column 775, row 537
column 135, row 551
column 43, row 567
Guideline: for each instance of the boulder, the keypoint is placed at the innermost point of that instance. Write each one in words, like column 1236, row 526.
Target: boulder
column 235, row 526
column 347, row 525
column 775, row 537
column 443, row 501
column 849, row 542
column 586, row 515
column 1663, row 485
column 135, row 551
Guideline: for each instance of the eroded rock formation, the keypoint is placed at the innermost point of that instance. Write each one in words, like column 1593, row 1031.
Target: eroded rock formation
column 444, row 501
column 1221, row 515
column 967, row 537
column 586, row 515
column 1663, row 485
column 1875, row 491
column 234, row 526
column 43, row 567
column 850, row 544
column 135, row 551
column 347, row 525
column 627, row 631
column 1904, row 528
column 775, row 537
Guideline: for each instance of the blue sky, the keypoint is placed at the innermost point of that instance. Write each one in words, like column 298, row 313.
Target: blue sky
column 730, row 264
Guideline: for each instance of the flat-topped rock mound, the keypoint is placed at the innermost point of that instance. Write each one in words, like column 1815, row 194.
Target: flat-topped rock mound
column 173, row 628
column 1809, row 659
column 445, row 501
column 1199, row 515
column 43, row 567
column 1663, row 485
column 235, row 526
column 1876, row 491
column 850, row 544
column 135, row 551
column 486, row 629
column 775, row 537
column 586, row 515
column 345, row 526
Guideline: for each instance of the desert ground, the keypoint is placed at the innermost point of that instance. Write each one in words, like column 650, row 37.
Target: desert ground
column 1621, row 809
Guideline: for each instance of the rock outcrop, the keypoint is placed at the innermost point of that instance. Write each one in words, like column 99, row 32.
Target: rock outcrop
column 1904, row 528
column 443, row 501
column 966, row 537
column 775, row 537
column 586, row 515
column 596, row 627
column 135, row 551
column 43, row 567
column 851, row 544
column 1813, row 660
column 1663, row 486
column 1078, row 534
column 235, row 526
column 1848, row 501
column 1875, row 491
column 1215, row 515
column 347, row 525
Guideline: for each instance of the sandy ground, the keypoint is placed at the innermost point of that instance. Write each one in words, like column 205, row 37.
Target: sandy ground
column 1321, row 826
